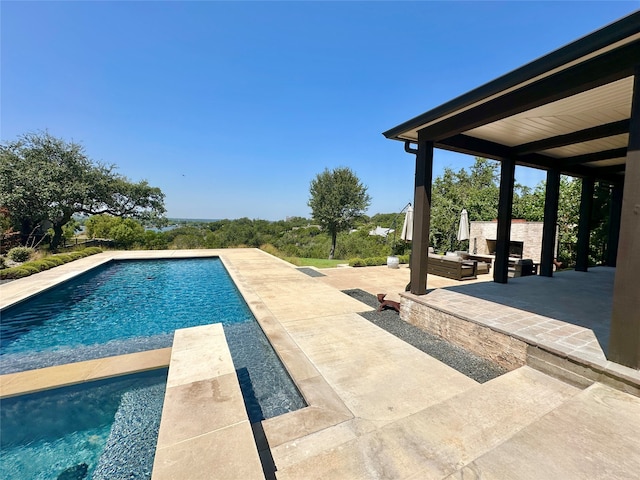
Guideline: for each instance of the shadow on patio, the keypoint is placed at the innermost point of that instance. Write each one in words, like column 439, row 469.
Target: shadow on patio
column 579, row 298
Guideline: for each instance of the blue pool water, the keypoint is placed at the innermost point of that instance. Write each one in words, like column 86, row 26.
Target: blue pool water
column 123, row 304
column 106, row 430
column 130, row 306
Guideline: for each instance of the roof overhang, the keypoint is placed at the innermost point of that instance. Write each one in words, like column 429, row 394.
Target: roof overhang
column 568, row 110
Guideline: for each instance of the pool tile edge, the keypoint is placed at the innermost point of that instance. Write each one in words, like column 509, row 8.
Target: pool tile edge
column 31, row 381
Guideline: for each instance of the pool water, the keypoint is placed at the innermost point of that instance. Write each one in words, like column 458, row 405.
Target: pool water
column 127, row 306
column 131, row 306
column 99, row 430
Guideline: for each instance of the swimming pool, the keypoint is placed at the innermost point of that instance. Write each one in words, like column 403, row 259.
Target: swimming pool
column 130, row 306
column 106, row 429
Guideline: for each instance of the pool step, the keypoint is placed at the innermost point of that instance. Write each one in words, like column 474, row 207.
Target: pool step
column 443, row 438
column 131, row 444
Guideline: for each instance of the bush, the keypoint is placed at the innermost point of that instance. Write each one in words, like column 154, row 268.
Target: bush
column 270, row 249
column 3, row 263
column 64, row 257
column 154, row 240
column 14, row 272
column 20, row 254
column 53, row 260
column 29, row 268
column 41, row 265
column 375, row 261
column 45, row 263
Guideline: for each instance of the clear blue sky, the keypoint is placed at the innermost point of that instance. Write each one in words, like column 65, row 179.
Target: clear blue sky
column 232, row 108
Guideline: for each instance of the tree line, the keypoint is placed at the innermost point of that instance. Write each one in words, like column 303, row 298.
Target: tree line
column 51, row 186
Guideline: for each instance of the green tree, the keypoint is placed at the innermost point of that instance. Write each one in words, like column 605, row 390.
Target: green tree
column 337, row 200
column 125, row 232
column 528, row 204
column 46, row 179
column 476, row 191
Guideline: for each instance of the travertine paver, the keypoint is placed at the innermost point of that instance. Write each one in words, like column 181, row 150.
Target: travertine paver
column 594, row 435
column 204, row 430
column 376, row 375
column 440, row 438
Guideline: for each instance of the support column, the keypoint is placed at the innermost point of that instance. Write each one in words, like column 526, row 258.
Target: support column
column 624, row 341
column 549, row 228
column 421, row 217
column 584, row 225
column 614, row 225
column 505, row 207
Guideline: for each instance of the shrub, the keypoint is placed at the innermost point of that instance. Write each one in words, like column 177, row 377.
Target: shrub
column 14, row 272
column 20, row 254
column 357, row 262
column 3, row 263
column 154, row 240
column 29, row 268
column 373, row 261
column 269, row 248
column 45, row 263
column 40, row 265
column 54, row 260
column 64, row 257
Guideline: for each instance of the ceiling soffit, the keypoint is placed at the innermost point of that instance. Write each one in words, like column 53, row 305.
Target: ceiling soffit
column 602, row 105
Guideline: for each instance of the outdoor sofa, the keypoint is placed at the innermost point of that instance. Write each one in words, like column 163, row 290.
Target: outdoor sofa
column 452, row 266
column 483, row 267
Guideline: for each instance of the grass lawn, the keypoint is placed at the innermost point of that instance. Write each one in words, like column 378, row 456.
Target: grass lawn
column 316, row 262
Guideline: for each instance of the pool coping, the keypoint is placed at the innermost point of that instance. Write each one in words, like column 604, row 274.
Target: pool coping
column 203, row 412
column 31, row 381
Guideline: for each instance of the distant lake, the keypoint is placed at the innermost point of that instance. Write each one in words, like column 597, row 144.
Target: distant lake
column 193, row 220
column 181, row 222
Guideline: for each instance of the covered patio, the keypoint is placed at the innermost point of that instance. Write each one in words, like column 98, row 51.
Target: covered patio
column 575, row 111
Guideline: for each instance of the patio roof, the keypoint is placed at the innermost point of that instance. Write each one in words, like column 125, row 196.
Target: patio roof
column 574, row 111
column 568, row 110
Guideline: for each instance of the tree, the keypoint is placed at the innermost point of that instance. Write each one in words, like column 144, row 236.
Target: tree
column 476, row 191
column 338, row 199
column 46, row 179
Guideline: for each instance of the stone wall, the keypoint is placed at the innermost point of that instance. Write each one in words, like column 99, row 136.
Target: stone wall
column 530, row 233
column 506, row 351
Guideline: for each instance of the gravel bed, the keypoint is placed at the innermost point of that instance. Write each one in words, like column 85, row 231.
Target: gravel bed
column 311, row 272
column 465, row 362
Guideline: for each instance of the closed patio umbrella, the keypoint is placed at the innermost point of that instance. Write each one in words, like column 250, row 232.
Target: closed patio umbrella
column 407, row 227
column 463, row 228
